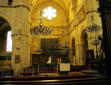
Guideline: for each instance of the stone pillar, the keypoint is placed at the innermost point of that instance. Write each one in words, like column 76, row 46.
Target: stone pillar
column 20, row 39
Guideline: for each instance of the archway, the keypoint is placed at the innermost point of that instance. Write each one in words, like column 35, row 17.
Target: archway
column 48, row 43
column 84, row 41
column 73, row 51
column 5, row 57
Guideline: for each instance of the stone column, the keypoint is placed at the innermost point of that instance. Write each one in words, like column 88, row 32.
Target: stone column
column 20, row 39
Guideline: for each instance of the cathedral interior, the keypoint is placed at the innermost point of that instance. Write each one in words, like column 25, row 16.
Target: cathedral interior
column 46, row 33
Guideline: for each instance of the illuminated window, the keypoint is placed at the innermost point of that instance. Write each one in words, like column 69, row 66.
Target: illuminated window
column 80, row 2
column 9, row 42
column 49, row 13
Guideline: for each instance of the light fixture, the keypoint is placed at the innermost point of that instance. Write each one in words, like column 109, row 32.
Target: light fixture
column 40, row 29
column 94, row 28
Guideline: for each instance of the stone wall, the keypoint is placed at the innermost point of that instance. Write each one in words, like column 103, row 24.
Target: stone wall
column 82, row 19
column 17, row 16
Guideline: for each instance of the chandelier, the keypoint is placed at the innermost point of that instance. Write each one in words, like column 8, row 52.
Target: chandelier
column 40, row 29
column 93, row 28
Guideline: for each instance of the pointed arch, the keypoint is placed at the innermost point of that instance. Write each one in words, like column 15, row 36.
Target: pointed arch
column 73, row 46
column 84, row 41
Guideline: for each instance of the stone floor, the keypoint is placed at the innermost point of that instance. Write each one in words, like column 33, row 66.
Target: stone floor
column 78, row 73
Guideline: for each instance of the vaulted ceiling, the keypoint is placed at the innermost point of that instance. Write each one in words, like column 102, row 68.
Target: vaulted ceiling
column 63, row 3
column 64, row 9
